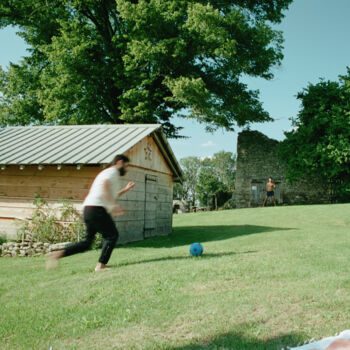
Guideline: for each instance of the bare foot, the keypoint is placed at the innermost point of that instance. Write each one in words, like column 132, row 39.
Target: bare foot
column 101, row 267
column 52, row 259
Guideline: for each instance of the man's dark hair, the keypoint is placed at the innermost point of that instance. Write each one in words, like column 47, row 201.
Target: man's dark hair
column 270, row 177
column 119, row 157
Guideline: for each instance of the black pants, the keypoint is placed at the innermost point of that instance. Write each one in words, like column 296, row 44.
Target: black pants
column 97, row 220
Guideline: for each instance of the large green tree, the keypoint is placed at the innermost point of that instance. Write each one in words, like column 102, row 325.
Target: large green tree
column 209, row 188
column 190, row 167
column 222, row 165
column 319, row 146
column 139, row 61
column 216, row 179
column 204, row 178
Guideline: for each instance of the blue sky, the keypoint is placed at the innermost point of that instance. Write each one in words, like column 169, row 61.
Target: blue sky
column 316, row 34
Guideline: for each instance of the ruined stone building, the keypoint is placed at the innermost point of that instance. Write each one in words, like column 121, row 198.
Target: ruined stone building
column 257, row 160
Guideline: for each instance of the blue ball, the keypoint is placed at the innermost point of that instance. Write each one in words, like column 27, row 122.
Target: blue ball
column 196, row 249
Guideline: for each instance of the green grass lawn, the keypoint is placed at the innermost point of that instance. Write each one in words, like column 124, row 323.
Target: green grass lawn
column 269, row 277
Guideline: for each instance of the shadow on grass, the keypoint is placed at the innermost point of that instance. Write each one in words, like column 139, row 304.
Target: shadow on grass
column 189, row 234
column 238, row 341
column 181, row 257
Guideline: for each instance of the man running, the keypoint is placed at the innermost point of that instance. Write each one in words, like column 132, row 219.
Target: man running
column 99, row 206
column 270, row 186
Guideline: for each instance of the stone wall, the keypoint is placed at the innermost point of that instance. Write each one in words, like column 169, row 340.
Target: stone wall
column 257, row 160
column 22, row 249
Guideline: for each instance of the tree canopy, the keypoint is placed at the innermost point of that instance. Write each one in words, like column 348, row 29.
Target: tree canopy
column 319, row 145
column 216, row 178
column 204, row 178
column 139, row 61
column 190, row 167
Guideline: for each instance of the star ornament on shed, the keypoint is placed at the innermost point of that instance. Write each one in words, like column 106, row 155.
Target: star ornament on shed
column 148, row 152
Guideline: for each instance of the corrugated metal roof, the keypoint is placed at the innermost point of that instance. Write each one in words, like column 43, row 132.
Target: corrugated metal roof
column 73, row 144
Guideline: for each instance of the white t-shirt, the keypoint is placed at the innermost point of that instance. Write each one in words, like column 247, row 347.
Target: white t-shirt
column 96, row 196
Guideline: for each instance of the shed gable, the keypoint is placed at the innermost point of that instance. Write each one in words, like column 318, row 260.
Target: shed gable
column 147, row 155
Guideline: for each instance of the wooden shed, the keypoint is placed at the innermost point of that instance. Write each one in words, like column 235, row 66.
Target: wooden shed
column 60, row 162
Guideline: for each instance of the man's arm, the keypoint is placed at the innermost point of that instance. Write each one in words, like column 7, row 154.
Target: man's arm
column 116, row 211
column 107, row 190
column 128, row 187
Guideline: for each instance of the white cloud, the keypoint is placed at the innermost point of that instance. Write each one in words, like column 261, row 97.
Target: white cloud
column 208, row 144
column 294, row 128
column 204, row 157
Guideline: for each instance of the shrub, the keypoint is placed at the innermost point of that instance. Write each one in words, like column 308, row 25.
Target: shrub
column 52, row 225
column 230, row 204
column 3, row 240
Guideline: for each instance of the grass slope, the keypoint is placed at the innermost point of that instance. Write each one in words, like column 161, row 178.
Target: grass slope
column 269, row 277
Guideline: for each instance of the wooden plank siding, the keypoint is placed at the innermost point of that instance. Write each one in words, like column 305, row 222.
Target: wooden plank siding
column 19, row 187
column 146, row 154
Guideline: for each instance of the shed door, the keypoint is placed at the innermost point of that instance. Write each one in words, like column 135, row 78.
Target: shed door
column 151, row 200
